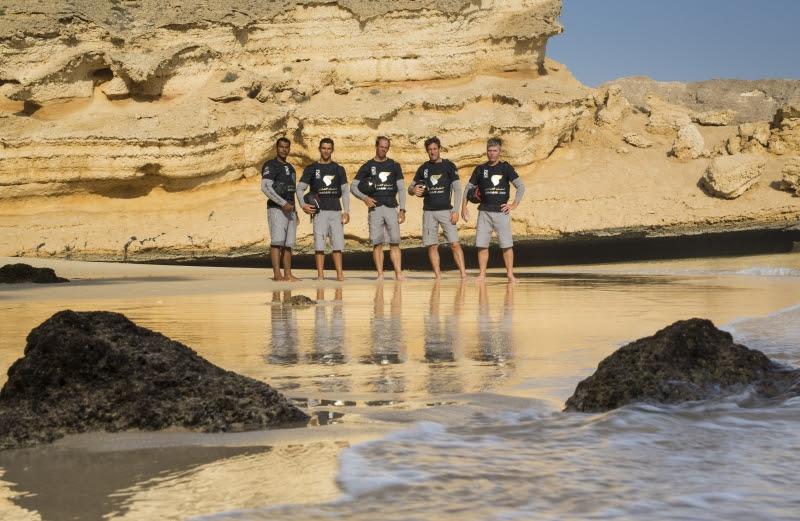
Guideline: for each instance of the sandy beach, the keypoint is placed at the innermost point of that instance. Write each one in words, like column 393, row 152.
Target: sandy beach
column 367, row 360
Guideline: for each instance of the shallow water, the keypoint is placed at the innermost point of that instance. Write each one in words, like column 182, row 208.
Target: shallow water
column 461, row 384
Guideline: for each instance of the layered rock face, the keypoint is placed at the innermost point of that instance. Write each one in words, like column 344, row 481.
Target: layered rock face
column 141, row 113
column 135, row 130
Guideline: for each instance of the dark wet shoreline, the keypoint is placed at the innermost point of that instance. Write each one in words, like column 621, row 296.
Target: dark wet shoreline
column 556, row 252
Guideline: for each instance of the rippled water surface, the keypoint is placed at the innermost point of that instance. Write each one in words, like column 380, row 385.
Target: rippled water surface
column 456, row 386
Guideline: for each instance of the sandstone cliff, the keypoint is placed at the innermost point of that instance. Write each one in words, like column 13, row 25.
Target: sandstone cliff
column 134, row 129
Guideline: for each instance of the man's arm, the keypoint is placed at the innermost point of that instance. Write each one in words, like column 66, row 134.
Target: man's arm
column 345, row 198
column 355, row 191
column 401, row 190
column 269, row 191
column 300, row 192
column 456, row 191
column 520, row 186
column 464, row 202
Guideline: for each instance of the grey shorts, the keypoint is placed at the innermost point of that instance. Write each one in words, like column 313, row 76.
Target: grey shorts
column 431, row 220
column 282, row 227
column 328, row 223
column 383, row 225
column 499, row 222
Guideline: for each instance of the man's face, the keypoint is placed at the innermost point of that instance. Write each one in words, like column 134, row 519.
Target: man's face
column 381, row 149
column 325, row 151
column 433, row 152
column 493, row 153
column 283, row 149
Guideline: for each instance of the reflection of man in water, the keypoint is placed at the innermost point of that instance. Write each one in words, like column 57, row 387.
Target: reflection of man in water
column 387, row 332
column 442, row 342
column 438, row 342
column 328, row 332
column 494, row 336
column 387, row 339
column 283, row 334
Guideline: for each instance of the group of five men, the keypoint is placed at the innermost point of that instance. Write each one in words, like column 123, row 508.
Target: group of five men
column 323, row 193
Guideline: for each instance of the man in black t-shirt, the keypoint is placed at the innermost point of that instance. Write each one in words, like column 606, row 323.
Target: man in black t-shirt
column 384, row 217
column 437, row 181
column 493, row 179
column 278, row 184
column 328, row 182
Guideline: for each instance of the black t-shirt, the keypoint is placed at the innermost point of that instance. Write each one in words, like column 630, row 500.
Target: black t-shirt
column 280, row 172
column 494, row 183
column 386, row 174
column 438, row 177
column 326, row 180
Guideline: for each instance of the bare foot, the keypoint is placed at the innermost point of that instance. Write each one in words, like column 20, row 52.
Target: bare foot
column 379, row 277
column 464, row 275
column 320, row 277
column 480, row 279
column 340, row 278
column 399, row 277
column 276, row 279
column 437, row 276
column 290, row 278
column 512, row 279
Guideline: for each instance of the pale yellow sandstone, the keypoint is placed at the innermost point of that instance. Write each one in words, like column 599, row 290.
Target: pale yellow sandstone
column 136, row 130
column 731, row 176
column 688, row 143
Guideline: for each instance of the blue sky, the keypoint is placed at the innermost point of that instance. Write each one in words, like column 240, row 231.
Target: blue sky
column 681, row 40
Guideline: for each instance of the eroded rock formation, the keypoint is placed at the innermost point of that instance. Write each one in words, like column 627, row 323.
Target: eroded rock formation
column 688, row 360
column 17, row 273
column 98, row 371
column 134, row 130
column 731, row 176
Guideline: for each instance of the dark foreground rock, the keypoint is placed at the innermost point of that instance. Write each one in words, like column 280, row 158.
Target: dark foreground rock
column 299, row 301
column 15, row 273
column 689, row 360
column 98, row 371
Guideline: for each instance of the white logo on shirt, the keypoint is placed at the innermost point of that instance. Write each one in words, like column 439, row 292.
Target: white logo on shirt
column 425, row 173
column 435, row 179
column 496, row 179
column 316, row 174
column 384, row 176
column 485, row 174
column 328, row 179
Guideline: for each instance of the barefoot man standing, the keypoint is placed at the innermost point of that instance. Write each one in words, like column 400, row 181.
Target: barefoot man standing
column 328, row 182
column 384, row 217
column 278, row 184
column 437, row 182
column 490, row 184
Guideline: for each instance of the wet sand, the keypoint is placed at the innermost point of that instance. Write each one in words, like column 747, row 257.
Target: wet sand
column 369, row 358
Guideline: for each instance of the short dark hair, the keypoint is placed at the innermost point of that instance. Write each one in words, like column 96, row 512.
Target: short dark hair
column 494, row 142
column 326, row 140
column 382, row 138
column 432, row 140
column 283, row 139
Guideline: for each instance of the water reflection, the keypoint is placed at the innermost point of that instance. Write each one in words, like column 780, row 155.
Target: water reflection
column 494, row 334
column 442, row 343
column 387, row 341
column 329, row 327
column 328, row 347
column 387, row 330
column 283, row 331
